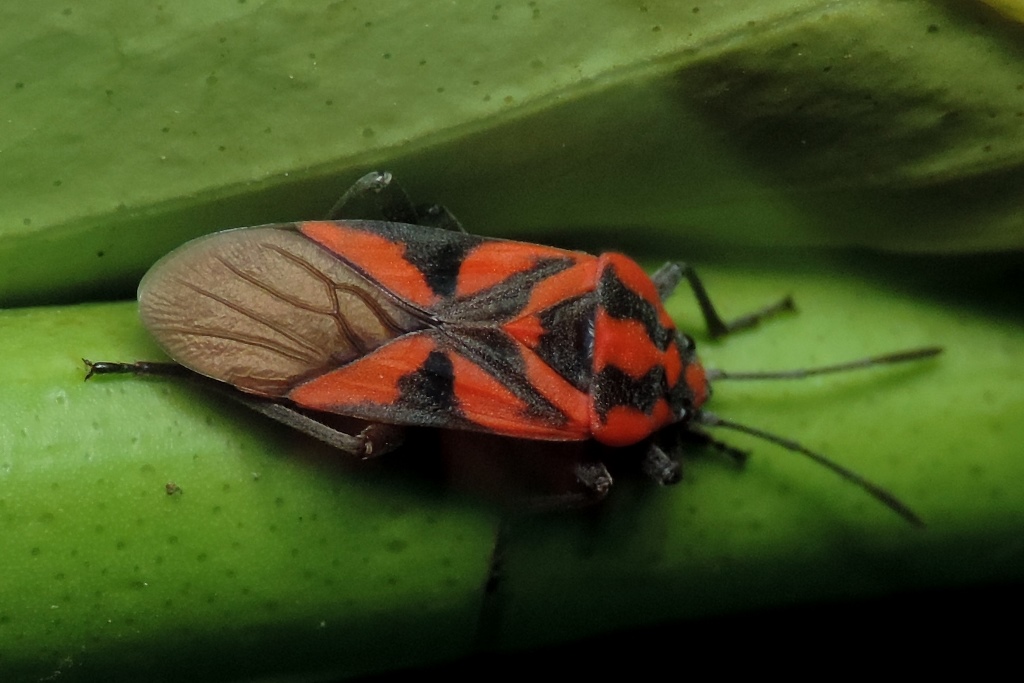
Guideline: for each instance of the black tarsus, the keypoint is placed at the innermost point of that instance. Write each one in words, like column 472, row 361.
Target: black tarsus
column 153, row 368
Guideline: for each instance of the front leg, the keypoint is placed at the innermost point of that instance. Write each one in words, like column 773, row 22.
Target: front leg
column 668, row 277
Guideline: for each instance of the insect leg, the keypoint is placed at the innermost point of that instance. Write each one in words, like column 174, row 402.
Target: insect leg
column 104, row 367
column 703, row 439
column 659, row 467
column 595, row 481
column 375, row 439
column 438, row 216
column 492, row 606
column 669, row 275
column 666, row 279
column 595, row 478
column 377, row 195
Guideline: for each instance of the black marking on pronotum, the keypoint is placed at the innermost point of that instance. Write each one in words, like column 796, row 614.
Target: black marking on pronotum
column 622, row 303
column 613, row 387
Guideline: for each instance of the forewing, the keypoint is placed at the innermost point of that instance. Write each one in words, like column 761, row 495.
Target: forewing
column 265, row 308
column 386, row 322
column 484, row 382
column 459, row 278
column 419, row 264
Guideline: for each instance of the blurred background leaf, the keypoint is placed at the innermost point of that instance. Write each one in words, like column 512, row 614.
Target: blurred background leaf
column 129, row 129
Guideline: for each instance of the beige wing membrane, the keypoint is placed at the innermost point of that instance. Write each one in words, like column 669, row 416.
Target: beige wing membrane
column 264, row 308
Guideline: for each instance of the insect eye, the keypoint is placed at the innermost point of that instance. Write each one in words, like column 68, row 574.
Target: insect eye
column 686, row 341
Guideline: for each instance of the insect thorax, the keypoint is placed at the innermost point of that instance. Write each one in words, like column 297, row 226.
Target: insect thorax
column 646, row 375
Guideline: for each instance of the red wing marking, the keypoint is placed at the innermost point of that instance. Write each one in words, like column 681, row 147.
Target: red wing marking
column 527, row 330
column 490, row 263
column 573, row 403
column 567, row 284
column 485, row 401
column 378, row 257
column 372, row 379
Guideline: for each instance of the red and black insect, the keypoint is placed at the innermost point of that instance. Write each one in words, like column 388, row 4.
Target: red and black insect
column 410, row 321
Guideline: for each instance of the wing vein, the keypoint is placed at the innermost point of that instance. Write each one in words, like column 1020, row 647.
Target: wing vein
column 314, row 353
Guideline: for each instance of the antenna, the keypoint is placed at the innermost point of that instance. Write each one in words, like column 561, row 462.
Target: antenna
column 859, row 364
column 877, row 492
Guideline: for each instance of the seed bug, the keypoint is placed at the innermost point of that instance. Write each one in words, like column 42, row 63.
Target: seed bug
column 411, row 321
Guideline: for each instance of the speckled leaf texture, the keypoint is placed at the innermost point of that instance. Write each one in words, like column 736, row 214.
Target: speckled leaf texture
column 864, row 156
